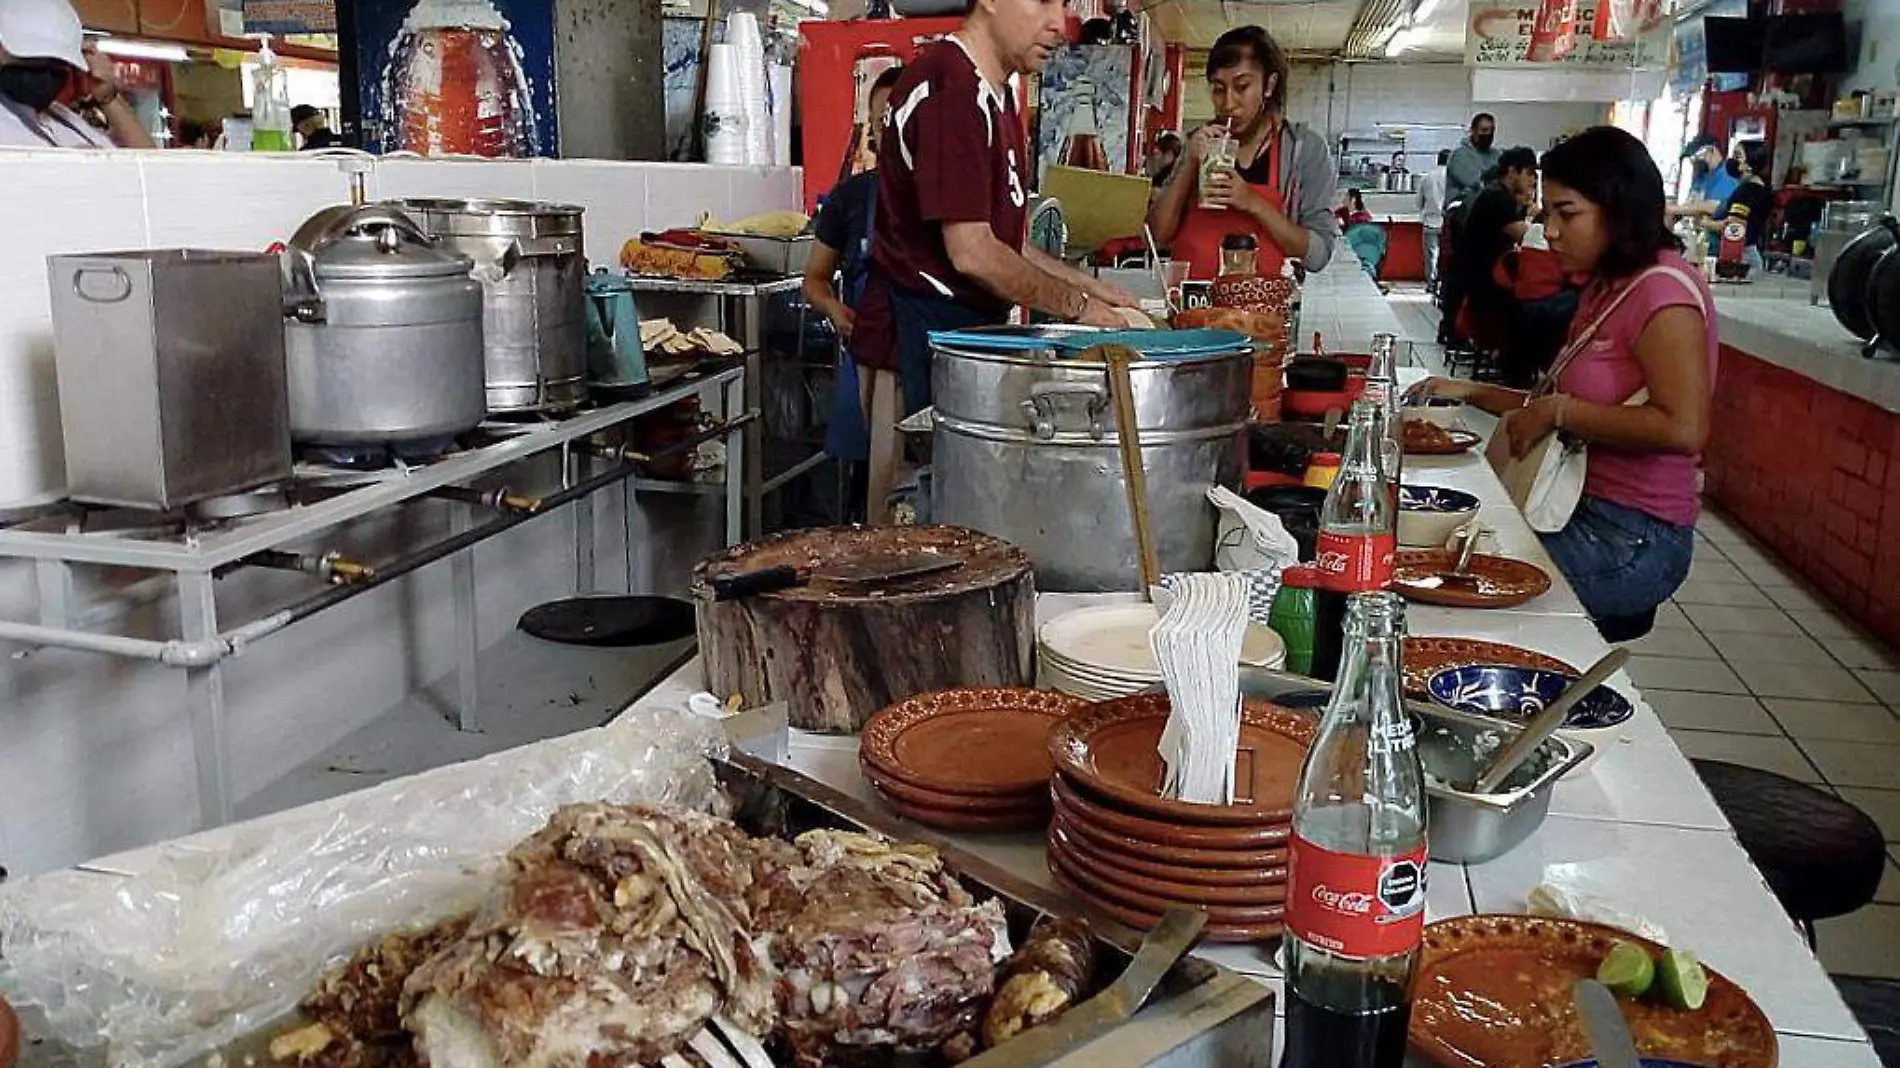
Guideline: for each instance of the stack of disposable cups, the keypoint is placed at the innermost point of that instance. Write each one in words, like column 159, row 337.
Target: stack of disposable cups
column 781, row 115
column 725, row 117
column 742, row 32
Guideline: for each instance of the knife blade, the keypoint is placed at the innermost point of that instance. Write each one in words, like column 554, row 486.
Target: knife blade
column 1604, row 1026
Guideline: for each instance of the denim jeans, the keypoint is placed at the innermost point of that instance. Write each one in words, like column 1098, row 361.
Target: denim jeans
column 1621, row 562
column 1431, row 257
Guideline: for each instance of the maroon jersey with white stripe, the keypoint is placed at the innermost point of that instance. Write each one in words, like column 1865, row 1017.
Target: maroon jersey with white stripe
column 953, row 150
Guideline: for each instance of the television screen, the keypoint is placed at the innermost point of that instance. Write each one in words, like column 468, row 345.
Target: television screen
column 1733, row 46
column 1807, row 44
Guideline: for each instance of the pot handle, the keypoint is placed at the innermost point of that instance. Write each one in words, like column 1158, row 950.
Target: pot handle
column 324, row 229
column 1040, row 408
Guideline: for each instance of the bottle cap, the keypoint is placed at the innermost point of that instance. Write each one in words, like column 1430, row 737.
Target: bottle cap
column 1325, row 459
column 1300, row 577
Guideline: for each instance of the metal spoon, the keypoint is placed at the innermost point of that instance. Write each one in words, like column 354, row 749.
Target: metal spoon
column 1546, row 722
column 1460, row 574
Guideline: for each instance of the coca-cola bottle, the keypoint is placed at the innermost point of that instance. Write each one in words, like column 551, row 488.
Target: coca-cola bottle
column 1357, row 535
column 1355, row 911
column 1382, row 389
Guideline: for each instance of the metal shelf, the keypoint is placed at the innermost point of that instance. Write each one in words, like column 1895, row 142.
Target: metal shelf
column 1841, row 124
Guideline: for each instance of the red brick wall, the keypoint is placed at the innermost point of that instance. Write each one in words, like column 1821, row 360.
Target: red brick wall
column 1815, row 474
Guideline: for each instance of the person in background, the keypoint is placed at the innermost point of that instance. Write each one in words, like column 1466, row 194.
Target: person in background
column 42, row 46
column 195, row 135
column 842, row 247
column 314, row 129
column 1495, row 222
column 953, row 199
column 1431, row 211
column 1164, row 156
column 1281, row 187
column 1710, row 184
column 1352, row 208
column 1751, row 201
column 1366, row 238
column 1473, row 160
column 1636, row 386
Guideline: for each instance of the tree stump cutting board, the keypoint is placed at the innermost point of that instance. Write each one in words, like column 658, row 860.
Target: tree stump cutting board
column 837, row 651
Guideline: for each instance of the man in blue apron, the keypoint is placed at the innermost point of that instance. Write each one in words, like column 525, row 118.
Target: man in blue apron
column 953, row 200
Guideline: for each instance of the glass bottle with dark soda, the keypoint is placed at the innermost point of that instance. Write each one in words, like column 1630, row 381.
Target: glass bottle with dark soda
column 1382, row 389
column 1355, row 912
column 1357, row 536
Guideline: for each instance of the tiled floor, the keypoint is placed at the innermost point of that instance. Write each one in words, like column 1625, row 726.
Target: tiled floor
column 1750, row 666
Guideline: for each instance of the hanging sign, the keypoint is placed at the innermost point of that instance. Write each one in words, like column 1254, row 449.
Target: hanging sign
column 285, row 17
column 1558, row 33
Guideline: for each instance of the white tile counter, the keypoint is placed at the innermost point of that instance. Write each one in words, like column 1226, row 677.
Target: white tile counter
column 1789, row 332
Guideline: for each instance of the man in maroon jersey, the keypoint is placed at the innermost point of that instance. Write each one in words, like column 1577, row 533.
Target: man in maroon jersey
column 953, row 199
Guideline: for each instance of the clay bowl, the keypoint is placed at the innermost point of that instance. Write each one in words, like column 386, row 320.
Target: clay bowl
column 976, row 742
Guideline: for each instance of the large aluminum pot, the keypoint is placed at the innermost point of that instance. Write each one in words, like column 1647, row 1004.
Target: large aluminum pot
column 384, row 337
column 528, row 257
column 1025, row 448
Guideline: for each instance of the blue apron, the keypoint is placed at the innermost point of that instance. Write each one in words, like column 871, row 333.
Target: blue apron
column 849, row 437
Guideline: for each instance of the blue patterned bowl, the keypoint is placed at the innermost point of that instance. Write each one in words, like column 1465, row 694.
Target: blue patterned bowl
column 1436, row 499
column 1519, row 693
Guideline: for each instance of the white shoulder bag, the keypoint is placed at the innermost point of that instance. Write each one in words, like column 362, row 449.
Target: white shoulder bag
column 1547, row 481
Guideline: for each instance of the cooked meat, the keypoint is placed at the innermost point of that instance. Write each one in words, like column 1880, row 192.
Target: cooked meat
column 878, row 945
column 354, row 1007
column 1045, row 976
column 618, row 932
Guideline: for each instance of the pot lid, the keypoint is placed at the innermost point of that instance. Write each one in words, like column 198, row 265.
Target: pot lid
column 1847, row 280
column 374, row 251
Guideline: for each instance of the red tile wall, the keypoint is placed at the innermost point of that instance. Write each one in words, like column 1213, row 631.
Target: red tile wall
column 1815, row 474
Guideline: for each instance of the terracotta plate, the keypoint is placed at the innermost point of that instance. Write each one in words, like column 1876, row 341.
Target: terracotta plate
column 976, row 806
column 1096, row 812
column 1145, row 921
column 982, row 743
column 1102, row 890
column 1493, row 582
column 1272, row 873
column 1446, row 442
column 1110, row 749
column 1425, row 657
column 1122, row 881
column 1028, row 819
column 1496, row 990
column 1213, row 861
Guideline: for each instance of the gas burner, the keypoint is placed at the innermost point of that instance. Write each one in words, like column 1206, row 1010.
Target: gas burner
column 264, row 499
column 378, row 455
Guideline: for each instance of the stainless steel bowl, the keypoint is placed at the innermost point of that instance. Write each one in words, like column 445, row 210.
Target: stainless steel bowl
column 1454, row 746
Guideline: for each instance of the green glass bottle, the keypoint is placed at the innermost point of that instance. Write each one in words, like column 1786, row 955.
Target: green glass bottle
column 1293, row 616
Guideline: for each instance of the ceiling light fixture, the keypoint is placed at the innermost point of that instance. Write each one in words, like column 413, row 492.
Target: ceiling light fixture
column 1403, row 40
column 124, row 49
column 1424, row 11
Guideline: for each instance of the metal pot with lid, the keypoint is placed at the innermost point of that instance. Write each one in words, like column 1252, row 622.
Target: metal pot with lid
column 383, row 331
column 1849, row 290
column 528, row 257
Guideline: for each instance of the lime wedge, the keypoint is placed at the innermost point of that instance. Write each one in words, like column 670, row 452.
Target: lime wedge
column 1627, row 970
column 1681, row 981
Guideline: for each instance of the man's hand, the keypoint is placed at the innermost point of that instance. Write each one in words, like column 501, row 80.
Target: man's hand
column 1436, row 386
column 1096, row 313
column 1114, row 296
column 843, row 320
column 105, row 85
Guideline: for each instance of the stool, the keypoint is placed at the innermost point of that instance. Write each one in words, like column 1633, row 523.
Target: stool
column 1822, row 857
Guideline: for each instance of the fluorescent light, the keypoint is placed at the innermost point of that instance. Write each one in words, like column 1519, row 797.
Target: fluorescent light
column 1406, row 38
column 1424, row 11
column 124, row 49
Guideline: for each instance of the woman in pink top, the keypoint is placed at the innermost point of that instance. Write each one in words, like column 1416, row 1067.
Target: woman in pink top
column 1636, row 385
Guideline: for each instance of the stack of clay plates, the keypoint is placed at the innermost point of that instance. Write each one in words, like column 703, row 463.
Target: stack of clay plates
column 966, row 760
column 1103, row 652
column 1132, row 854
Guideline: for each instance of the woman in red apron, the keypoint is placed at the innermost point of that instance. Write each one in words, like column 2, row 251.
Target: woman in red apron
column 1262, row 194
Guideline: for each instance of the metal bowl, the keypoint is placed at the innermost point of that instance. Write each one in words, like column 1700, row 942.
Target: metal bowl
column 1519, row 693
column 1470, row 828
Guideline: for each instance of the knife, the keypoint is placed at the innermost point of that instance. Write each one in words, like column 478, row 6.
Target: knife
column 1046, row 1043
column 1604, row 1026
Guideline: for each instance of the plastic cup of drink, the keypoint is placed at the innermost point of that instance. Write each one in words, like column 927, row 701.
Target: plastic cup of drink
column 1221, row 153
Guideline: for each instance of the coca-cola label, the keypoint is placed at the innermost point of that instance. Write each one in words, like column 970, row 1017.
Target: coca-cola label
column 1352, row 563
column 1354, row 905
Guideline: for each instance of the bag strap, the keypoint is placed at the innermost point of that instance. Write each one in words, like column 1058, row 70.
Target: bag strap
column 1582, row 340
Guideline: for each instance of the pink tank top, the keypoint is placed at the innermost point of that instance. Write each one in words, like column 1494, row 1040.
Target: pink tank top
column 1607, row 372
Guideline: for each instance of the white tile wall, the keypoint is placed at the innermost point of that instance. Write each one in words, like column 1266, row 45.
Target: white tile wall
column 95, row 752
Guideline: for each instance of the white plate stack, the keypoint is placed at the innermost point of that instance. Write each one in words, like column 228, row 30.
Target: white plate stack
column 742, row 32
column 725, row 108
column 1104, row 652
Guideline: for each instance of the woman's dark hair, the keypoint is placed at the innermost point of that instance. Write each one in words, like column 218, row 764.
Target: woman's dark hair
column 1755, row 155
column 1244, row 43
column 1356, row 199
column 1613, row 170
column 887, row 77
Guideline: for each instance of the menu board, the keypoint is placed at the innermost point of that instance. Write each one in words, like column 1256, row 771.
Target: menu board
column 1599, row 34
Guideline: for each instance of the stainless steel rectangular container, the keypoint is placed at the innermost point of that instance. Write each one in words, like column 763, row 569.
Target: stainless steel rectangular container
column 171, row 374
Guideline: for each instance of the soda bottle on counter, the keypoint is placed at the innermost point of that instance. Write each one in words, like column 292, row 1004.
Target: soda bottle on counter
column 1382, row 389
column 1355, row 910
column 1358, row 534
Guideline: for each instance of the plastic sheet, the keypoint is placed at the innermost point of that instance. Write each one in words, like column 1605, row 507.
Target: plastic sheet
column 189, row 945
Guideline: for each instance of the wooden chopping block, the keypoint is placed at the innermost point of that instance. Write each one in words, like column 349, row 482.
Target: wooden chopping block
column 836, row 652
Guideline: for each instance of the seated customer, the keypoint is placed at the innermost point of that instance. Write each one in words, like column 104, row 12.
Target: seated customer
column 1634, row 383
column 1494, row 222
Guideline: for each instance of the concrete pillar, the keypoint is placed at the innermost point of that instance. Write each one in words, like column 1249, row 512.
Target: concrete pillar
column 608, row 76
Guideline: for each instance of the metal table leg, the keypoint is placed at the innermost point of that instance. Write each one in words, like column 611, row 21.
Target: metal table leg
column 736, row 456
column 467, row 637
column 55, row 579
column 584, row 546
column 204, row 698
column 750, row 314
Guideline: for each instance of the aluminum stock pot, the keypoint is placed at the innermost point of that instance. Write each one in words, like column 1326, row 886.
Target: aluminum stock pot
column 1025, row 448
